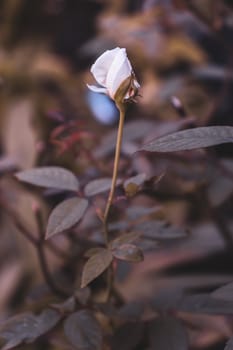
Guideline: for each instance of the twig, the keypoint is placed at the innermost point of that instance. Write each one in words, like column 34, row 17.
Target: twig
column 115, row 170
column 121, row 108
column 47, row 276
column 42, row 258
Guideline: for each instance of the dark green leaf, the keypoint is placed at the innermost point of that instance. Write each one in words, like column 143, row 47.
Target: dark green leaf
column 127, row 336
column 131, row 311
column 66, row 306
column 65, row 215
column 125, row 238
column 133, row 184
column 160, row 230
column 83, row 331
column 137, row 180
column 229, row 345
column 128, row 252
column 27, row 327
column 52, row 176
column 95, row 266
column 190, row 139
column 98, row 186
column 224, row 292
column 132, row 131
column 167, row 334
column 134, row 212
column 93, row 251
column 205, row 304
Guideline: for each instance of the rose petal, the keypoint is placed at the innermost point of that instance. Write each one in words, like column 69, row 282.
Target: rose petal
column 119, row 71
column 97, row 89
column 101, row 66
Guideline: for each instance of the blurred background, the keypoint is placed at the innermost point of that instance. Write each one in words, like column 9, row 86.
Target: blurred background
column 182, row 55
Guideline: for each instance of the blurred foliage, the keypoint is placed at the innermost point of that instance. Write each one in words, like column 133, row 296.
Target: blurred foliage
column 173, row 208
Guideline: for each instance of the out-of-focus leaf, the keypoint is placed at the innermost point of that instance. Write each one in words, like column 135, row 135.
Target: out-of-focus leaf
column 138, row 180
column 83, row 331
column 52, row 176
column 98, row 186
column 27, row 327
column 83, row 295
column 190, row 139
column 122, row 340
column 224, row 292
column 133, row 184
column 156, row 229
column 166, row 299
column 131, row 311
column 92, row 251
column 66, row 306
column 65, row 215
column 128, row 252
column 229, row 345
column 167, row 334
column 132, row 131
column 134, row 212
column 7, row 164
column 221, row 184
column 95, row 266
column 125, row 238
column 205, row 304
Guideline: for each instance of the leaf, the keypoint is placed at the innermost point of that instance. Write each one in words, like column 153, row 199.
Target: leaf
column 83, row 331
column 205, row 304
column 95, row 266
column 127, row 336
column 132, row 131
column 125, row 238
column 128, row 252
column 157, row 229
column 167, row 334
column 220, row 186
column 65, row 215
column 66, row 306
column 224, row 292
column 92, row 251
column 133, row 184
column 52, row 176
column 134, row 212
column 98, row 186
column 229, row 345
column 137, row 180
column 190, row 139
column 27, row 327
column 131, row 311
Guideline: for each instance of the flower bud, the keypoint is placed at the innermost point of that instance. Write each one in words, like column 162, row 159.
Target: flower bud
column 114, row 73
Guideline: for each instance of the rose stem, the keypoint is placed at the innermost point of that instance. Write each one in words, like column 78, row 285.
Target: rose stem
column 121, row 108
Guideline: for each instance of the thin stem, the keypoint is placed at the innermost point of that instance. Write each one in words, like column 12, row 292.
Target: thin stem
column 111, row 195
column 115, row 170
column 46, row 273
column 109, row 282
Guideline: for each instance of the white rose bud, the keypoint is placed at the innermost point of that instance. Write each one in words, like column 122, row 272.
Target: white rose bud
column 114, row 73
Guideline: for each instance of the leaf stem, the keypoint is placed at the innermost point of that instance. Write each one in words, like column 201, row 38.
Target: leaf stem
column 121, row 108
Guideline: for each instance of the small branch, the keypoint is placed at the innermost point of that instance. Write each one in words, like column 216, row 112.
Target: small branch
column 110, row 276
column 20, row 226
column 42, row 258
column 47, row 276
column 115, row 170
column 223, row 228
column 109, row 283
column 39, row 246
